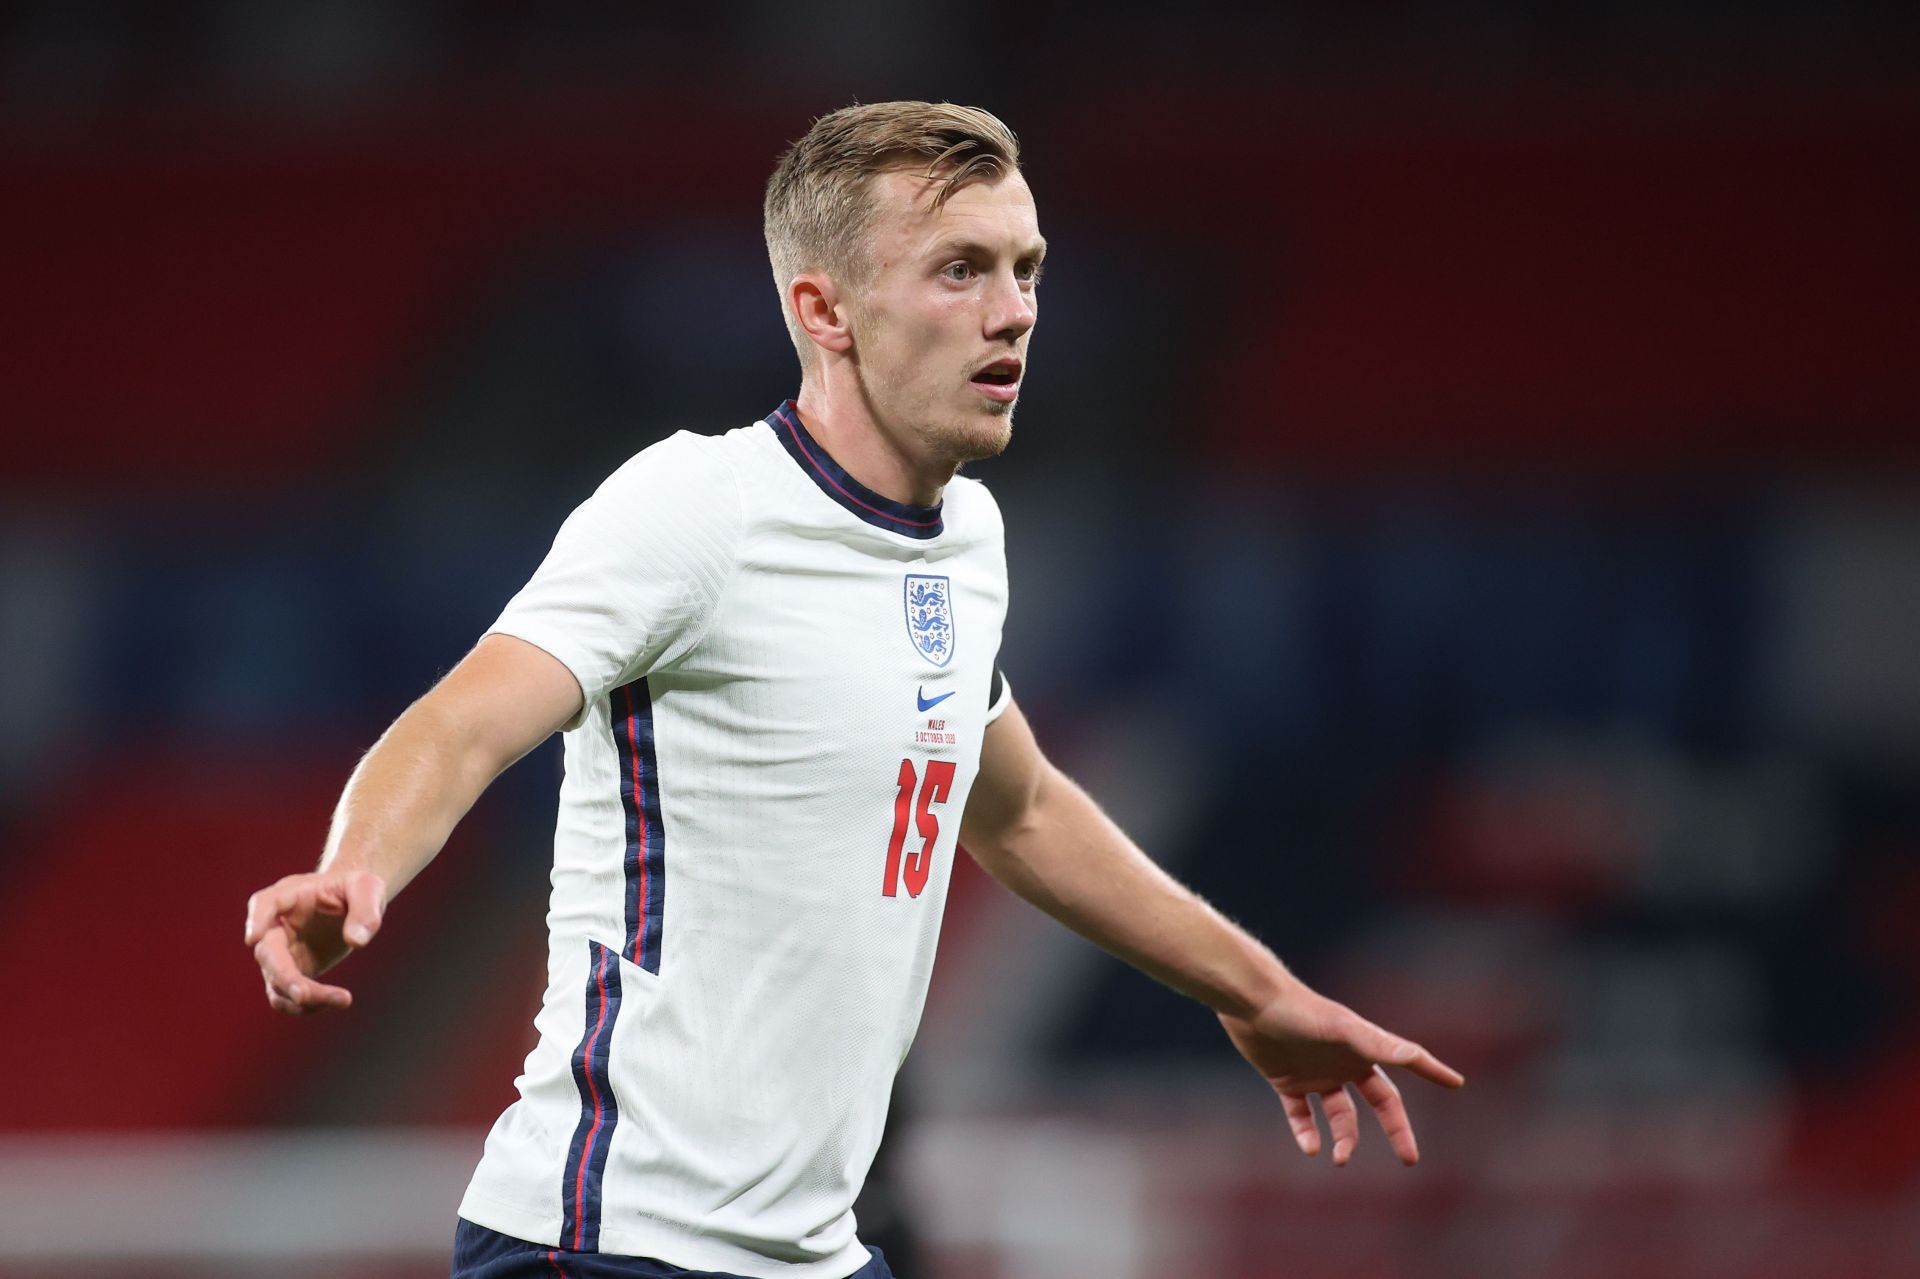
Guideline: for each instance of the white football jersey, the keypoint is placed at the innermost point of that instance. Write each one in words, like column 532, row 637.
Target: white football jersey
column 787, row 677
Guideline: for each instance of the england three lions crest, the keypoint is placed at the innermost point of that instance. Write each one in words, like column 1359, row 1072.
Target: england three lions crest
column 930, row 617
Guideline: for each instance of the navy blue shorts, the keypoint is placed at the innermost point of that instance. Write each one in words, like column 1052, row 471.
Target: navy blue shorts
column 479, row 1253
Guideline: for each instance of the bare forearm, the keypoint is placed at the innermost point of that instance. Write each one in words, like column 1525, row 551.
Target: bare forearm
column 1039, row 834
column 420, row 778
column 1069, row 859
column 406, row 796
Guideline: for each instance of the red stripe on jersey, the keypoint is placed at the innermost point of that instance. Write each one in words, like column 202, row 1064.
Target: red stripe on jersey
column 586, row 1149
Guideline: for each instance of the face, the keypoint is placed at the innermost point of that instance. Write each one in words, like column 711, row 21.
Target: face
column 940, row 331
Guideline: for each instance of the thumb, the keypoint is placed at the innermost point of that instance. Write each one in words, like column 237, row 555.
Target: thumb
column 366, row 902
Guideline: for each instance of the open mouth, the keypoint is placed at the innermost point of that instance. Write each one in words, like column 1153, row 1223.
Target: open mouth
column 1000, row 380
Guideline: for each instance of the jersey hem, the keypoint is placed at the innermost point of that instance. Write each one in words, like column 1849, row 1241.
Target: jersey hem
column 999, row 707
column 661, row 1242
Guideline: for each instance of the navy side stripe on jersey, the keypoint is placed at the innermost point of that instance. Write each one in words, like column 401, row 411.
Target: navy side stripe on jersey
column 593, row 1135
column 631, row 708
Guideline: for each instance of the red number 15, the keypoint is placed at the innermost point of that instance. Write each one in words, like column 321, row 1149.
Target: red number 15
column 919, row 862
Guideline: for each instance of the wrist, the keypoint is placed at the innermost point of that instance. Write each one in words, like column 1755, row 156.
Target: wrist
column 1263, row 986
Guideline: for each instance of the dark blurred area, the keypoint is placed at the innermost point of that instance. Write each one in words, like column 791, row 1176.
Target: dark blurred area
column 1464, row 518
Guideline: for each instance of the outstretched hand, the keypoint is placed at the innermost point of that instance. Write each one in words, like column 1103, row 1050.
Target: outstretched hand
column 1305, row 1044
column 304, row 925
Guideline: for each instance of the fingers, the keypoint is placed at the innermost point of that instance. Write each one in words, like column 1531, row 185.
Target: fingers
column 288, row 989
column 279, row 926
column 1414, row 1058
column 1306, row 1131
column 366, row 898
column 1381, row 1094
column 1342, row 1122
column 1391, row 1050
column 275, row 958
column 269, row 904
column 360, row 896
column 1432, row 1069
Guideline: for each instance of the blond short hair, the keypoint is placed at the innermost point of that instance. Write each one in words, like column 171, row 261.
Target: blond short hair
column 819, row 206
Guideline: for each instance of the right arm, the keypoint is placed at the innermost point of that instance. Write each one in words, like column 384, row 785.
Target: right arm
column 399, row 807
column 629, row 583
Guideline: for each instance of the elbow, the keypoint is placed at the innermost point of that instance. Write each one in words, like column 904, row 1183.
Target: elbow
column 1022, row 827
column 436, row 731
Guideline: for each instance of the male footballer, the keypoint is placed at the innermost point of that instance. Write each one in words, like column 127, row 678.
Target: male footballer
column 773, row 656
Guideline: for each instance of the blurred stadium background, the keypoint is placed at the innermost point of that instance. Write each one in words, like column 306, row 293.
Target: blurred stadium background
column 1465, row 517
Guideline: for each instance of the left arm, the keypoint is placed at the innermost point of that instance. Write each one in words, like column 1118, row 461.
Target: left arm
column 1034, row 830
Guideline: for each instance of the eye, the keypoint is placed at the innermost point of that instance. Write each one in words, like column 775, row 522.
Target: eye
column 959, row 271
column 1028, row 272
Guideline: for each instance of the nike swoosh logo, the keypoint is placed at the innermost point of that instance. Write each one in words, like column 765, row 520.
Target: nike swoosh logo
column 928, row 703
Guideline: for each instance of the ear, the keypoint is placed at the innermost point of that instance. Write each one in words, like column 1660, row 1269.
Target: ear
column 821, row 311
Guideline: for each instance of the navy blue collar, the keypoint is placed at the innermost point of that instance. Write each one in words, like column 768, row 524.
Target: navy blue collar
column 920, row 522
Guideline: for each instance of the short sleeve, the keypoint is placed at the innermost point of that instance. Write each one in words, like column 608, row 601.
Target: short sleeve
column 636, row 570
column 999, row 696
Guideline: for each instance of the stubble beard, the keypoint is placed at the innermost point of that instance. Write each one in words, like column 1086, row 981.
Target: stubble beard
column 977, row 439
column 951, row 436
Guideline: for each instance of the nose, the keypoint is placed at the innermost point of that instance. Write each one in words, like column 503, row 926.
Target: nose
column 1010, row 309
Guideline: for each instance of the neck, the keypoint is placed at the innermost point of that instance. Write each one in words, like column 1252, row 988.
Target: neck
column 837, row 413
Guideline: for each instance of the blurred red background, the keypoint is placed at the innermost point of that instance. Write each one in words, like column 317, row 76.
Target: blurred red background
column 1462, row 518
